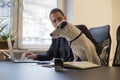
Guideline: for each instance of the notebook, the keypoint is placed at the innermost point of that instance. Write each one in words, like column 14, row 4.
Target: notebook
column 12, row 58
column 80, row 65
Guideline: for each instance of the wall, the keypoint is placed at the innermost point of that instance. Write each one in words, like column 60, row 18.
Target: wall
column 95, row 13
column 92, row 12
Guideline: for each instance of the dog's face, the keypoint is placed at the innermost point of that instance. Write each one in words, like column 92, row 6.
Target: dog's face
column 60, row 30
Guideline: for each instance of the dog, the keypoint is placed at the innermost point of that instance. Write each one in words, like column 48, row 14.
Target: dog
column 81, row 46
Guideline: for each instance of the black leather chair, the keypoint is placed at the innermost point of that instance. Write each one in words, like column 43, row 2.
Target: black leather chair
column 116, row 61
column 102, row 36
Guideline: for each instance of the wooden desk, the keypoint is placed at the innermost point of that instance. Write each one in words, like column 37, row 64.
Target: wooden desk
column 31, row 71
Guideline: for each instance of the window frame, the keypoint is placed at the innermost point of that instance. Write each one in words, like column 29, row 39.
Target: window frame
column 17, row 21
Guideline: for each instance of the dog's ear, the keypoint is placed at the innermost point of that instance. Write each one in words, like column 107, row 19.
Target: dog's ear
column 63, row 25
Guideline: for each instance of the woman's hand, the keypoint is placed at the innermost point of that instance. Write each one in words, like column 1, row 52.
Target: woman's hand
column 28, row 55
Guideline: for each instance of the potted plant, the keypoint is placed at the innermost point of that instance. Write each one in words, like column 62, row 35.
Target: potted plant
column 4, row 36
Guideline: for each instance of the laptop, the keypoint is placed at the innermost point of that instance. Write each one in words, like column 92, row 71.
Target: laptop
column 12, row 58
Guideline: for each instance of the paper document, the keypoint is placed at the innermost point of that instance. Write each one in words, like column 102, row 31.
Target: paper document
column 80, row 65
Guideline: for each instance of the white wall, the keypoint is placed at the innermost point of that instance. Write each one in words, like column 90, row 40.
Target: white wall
column 92, row 12
column 95, row 13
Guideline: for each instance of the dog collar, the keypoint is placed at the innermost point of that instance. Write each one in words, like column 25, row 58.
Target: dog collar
column 75, row 38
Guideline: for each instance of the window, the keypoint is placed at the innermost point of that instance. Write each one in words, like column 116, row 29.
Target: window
column 5, row 15
column 30, row 20
column 36, row 26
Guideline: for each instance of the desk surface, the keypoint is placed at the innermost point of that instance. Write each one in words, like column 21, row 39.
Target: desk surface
column 32, row 71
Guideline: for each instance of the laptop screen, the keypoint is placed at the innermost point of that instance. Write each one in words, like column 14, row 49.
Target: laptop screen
column 10, row 48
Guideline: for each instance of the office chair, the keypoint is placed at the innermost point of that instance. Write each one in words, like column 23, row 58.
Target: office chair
column 102, row 36
column 116, row 61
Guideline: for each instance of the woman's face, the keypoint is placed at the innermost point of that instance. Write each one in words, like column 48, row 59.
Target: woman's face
column 56, row 18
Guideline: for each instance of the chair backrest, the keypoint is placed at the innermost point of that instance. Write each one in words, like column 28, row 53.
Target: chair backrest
column 102, row 36
column 116, row 61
